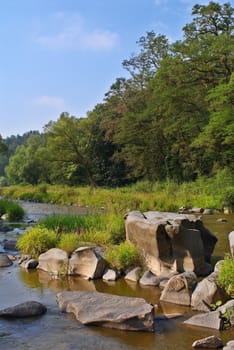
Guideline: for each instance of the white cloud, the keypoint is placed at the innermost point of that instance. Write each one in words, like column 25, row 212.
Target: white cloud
column 49, row 101
column 68, row 31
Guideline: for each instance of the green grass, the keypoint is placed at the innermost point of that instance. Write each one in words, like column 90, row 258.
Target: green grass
column 37, row 240
column 226, row 275
column 123, row 256
column 13, row 210
column 212, row 192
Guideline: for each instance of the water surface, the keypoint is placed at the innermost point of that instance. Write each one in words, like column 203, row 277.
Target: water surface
column 56, row 330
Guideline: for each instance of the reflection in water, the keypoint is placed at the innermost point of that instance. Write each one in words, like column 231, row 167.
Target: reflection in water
column 63, row 332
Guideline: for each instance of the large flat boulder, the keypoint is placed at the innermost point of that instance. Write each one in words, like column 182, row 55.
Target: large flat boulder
column 106, row 310
column 171, row 242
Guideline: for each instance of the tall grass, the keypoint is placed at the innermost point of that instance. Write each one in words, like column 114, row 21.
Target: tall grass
column 13, row 210
column 162, row 196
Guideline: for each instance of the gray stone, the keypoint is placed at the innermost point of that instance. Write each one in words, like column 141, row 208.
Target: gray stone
column 87, row 262
column 149, row 279
column 207, row 292
column 231, row 243
column 211, row 342
column 133, row 275
column 179, row 288
column 229, row 345
column 27, row 309
column 4, row 260
column 110, row 275
column 10, row 244
column 219, row 319
column 208, row 211
column 171, row 242
column 29, row 264
column 106, row 310
column 54, row 261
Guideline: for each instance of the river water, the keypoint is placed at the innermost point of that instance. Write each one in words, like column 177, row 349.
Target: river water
column 56, row 330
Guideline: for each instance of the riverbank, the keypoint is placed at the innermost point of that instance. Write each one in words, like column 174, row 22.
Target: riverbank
column 216, row 193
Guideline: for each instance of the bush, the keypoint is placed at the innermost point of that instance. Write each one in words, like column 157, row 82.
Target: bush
column 69, row 242
column 229, row 198
column 226, row 275
column 123, row 256
column 116, row 228
column 37, row 240
column 13, row 210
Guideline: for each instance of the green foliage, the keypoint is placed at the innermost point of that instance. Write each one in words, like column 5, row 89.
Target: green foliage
column 123, row 256
column 115, row 227
column 229, row 197
column 13, row 210
column 69, row 242
column 37, row 240
column 226, row 275
column 73, row 223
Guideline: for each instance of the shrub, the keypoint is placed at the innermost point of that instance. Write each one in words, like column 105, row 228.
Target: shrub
column 13, row 210
column 123, row 256
column 69, row 242
column 229, row 198
column 116, row 228
column 37, row 240
column 226, row 275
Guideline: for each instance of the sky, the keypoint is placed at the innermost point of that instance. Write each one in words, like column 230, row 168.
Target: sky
column 64, row 55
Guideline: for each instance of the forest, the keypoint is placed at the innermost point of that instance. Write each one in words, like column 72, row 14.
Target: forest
column 171, row 119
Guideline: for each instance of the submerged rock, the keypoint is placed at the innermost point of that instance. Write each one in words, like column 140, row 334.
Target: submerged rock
column 106, row 310
column 27, row 309
column 4, row 260
column 211, row 342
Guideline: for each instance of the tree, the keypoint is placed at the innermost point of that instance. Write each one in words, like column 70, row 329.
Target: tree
column 68, row 140
column 28, row 164
column 220, row 129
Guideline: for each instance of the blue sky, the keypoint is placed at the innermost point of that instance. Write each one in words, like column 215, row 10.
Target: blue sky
column 63, row 55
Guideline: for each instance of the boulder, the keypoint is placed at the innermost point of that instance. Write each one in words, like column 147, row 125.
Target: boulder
column 231, row 243
column 134, row 274
column 10, row 244
column 106, row 310
column 179, row 288
column 4, row 260
column 54, row 261
column 211, row 342
column 110, row 275
column 221, row 318
column 171, row 242
column 27, row 309
column 229, row 345
column 29, row 264
column 87, row 262
column 149, row 279
column 207, row 292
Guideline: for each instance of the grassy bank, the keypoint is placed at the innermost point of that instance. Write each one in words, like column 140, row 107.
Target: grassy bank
column 214, row 193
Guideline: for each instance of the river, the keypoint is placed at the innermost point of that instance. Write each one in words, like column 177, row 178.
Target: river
column 59, row 331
